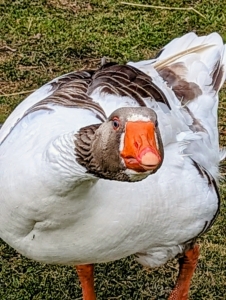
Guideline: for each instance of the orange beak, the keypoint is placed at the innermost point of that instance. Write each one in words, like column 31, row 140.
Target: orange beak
column 140, row 152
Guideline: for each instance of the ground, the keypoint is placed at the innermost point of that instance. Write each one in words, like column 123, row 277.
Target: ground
column 43, row 39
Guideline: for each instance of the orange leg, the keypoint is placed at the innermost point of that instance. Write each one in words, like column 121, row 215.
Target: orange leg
column 187, row 267
column 85, row 274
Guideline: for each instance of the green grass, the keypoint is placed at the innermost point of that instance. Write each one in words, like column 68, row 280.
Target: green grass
column 57, row 36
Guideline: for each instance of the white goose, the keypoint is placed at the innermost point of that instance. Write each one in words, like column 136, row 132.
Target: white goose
column 61, row 145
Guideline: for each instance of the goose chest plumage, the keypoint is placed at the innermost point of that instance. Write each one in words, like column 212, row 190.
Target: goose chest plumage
column 99, row 165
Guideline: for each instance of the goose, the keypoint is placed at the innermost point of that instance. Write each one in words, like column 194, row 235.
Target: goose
column 97, row 165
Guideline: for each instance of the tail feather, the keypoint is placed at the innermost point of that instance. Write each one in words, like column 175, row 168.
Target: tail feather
column 204, row 55
column 159, row 64
column 219, row 71
column 189, row 42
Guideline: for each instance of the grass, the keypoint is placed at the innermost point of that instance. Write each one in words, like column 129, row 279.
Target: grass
column 45, row 38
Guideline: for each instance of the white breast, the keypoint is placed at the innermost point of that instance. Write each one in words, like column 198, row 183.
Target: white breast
column 105, row 220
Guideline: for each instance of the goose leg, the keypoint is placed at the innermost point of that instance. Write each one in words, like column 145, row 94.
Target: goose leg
column 187, row 267
column 86, row 277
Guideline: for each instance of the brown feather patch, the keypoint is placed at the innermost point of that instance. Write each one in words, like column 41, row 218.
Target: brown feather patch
column 213, row 185
column 184, row 90
column 125, row 80
column 217, row 76
column 73, row 90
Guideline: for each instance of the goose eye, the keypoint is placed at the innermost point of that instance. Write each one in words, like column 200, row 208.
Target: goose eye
column 115, row 124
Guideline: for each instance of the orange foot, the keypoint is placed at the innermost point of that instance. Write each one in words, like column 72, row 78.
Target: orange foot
column 85, row 274
column 187, row 264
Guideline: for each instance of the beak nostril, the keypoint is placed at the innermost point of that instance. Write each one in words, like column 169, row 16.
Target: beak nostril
column 136, row 144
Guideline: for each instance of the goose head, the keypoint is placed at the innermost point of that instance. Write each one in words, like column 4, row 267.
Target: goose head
column 126, row 147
